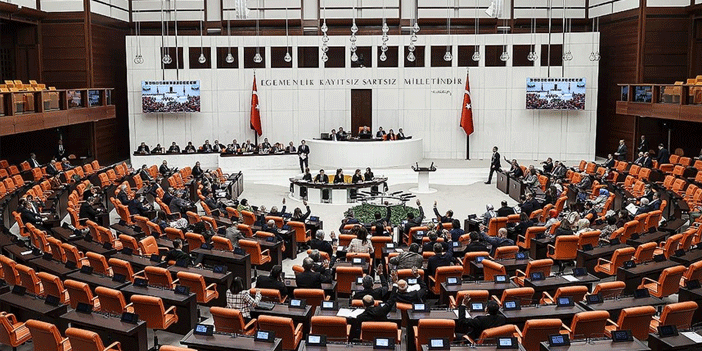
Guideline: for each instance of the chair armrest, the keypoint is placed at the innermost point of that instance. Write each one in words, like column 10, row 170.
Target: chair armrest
column 566, row 328
column 467, row 338
column 519, row 273
column 432, row 280
column 551, row 247
column 176, row 281
column 298, row 329
column 251, row 324
column 521, row 238
column 326, row 298
column 114, row 346
column 519, row 333
column 12, row 317
column 600, row 260
column 129, row 305
column 172, row 308
column 612, row 323
column 139, row 273
column 545, row 296
column 648, row 279
column 496, row 300
column 266, row 252
column 212, row 286
column 452, row 301
column 64, row 341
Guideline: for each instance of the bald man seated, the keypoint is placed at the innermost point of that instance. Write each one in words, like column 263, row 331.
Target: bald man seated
column 373, row 313
column 376, row 293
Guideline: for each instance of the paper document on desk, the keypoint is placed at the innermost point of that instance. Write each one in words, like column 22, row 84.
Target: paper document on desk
column 349, row 313
column 693, row 336
column 23, row 253
column 398, row 250
column 631, row 208
column 570, row 278
column 456, row 313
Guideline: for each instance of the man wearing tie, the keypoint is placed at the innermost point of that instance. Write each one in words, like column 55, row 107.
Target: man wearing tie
column 33, row 160
column 51, row 168
column 61, row 152
column 494, row 164
column 621, row 151
column 303, row 151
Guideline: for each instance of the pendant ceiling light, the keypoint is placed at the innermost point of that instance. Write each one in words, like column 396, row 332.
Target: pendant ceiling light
column 166, row 57
column 384, row 37
column 287, row 57
column 354, row 30
column 595, row 55
column 532, row 56
column 202, row 59
column 257, row 58
column 448, row 56
column 476, row 23
column 230, row 58
column 325, row 38
column 567, row 55
column 413, row 38
column 138, row 59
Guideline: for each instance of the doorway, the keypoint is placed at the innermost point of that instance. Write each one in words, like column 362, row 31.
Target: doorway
column 361, row 109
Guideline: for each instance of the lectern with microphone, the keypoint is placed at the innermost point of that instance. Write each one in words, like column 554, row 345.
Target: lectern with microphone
column 423, row 179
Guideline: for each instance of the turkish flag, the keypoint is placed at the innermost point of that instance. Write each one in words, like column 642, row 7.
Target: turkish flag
column 467, row 110
column 255, row 110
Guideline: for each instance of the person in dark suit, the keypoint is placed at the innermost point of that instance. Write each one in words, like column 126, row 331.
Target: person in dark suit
column 136, row 206
column 321, row 177
column 372, row 313
column 494, row 163
column 647, row 161
column 412, row 221
column 290, row 149
column 233, row 148
column 357, row 177
column 28, row 215
column 177, row 253
column 400, row 135
column 122, row 195
column 33, row 161
column 174, row 149
column 414, row 296
column 51, row 168
column 310, row 279
column 365, row 133
column 307, row 176
column 496, row 241
column 197, row 171
column 376, row 293
column 448, row 218
column 515, row 171
column 303, row 152
column 86, row 208
column 368, row 176
column 609, row 163
column 547, row 165
column 456, row 232
column 620, row 154
column 380, row 133
column 144, row 173
column 663, row 155
column 168, row 196
column 529, row 205
column 339, row 177
column 190, row 148
column 475, row 244
column 504, row 210
column 442, row 258
column 163, row 169
column 143, row 149
column 643, row 145
column 318, row 242
column 381, row 222
column 158, row 149
column 473, row 327
column 60, row 150
column 179, row 204
column 433, row 239
column 207, row 147
column 341, row 134
column 559, row 171
column 273, row 281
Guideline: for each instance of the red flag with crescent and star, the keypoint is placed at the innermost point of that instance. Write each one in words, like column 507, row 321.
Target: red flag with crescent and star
column 255, row 110
column 467, row 110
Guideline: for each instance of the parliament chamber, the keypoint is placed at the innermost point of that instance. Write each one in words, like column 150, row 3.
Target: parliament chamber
column 255, row 175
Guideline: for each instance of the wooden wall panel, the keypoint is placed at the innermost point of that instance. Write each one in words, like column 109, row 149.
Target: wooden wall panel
column 61, row 71
column 666, row 48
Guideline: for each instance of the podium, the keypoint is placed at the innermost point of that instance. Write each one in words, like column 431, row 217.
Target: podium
column 516, row 188
column 502, row 181
column 423, row 180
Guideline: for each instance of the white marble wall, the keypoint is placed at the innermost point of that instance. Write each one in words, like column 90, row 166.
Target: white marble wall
column 431, row 112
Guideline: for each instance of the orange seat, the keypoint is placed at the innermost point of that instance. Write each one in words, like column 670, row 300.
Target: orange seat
column 491, row 269
column 80, row 293
column 148, row 246
column 524, row 241
column 158, row 276
column 283, row 328
column 222, row 243
column 54, row 286
column 174, row 233
column 537, row 330
column 99, row 264
column 335, row 328
column 46, row 337
column 495, row 224
column 130, row 242
column 194, row 240
column 636, row 319
column 85, row 340
column 248, row 217
column 677, row 314
column 29, row 280
column 73, row 255
column 644, row 252
column 151, row 310
column 196, row 283
column 174, row 348
column 591, row 238
column 491, row 334
column 378, row 243
column 442, row 273
column 345, row 276
column 124, row 268
column 372, row 330
column 523, row 295
column 314, row 297
column 433, row 328
column 470, row 257
column 590, row 324
column 302, row 235
column 576, row 293
column 112, row 300
column 693, row 272
column 229, row 320
column 253, row 248
column 668, row 282
column 12, row 332
column 272, row 295
column 506, row 252
column 565, row 249
column 669, row 247
column 619, row 256
column 609, row 289
column 474, row 295
column 543, row 266
column 9, row 268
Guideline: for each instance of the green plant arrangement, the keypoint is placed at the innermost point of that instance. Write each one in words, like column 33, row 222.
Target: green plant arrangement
column 365, row 213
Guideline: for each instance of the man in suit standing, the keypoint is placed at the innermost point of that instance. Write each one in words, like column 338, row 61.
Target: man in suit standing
column 494, row 163
column 643, row 145
column 33, row 160
column 663, row 155
column 621, row 151
column 303, row 151
column 61, row 151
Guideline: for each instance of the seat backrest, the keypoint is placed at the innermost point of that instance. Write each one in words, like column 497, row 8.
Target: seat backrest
column 148, row 246
column 671, row 245
column 174, row 233
column 566, row 248
column 300, row 231
column 222, row 243
column 543, row 266
column 644, row 252
column 694, row 271
column 590, row 324
column 122, row 267
column 52, row 286
column 669, row 280
column 29, row 279
column 447, row 271
column 98, row 262
column 620, row 256
column 72, row 254
column 130, row 242
column 248, row 217
column 495, row 224
column 45, row 336
column 84, row 340
column 151, row 310
column 577, row 292
column 491, row 269
column 111, row 300
column 636, row 319
column 335, row 328
column 253, row 248
column 654, row 217
column 372, row 330
column 434, row 328
column 345, row 276
column 378, row 243
column 678, row 314
column 283, row 328
column 79, row 292
column 523, row 295
column 314, row 297
column 227, row 320
column 194, row 240
column 196, row 283
column 537, row 330
column 591, row 237
column 158, row 276
column 506, row 252
column 491, row 334
column 475, row 296
column 9, row 271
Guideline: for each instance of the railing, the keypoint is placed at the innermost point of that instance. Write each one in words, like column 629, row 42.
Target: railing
column 18, row 103
column 667, row 101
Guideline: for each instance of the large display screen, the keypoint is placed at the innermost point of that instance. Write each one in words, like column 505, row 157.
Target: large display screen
column 555, row 94
column 170, row 96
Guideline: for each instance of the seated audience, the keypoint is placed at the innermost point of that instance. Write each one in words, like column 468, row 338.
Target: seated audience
column 473, row 327
column 142, row 149
column 273, row 281
column 360, row 244
column 412, row 221
column 441, row 258
column 318, row 242
column 239, row 298
column 499, row 240
column 408, row 259
column 368, row 290
column 174, row 149
column 310, row 279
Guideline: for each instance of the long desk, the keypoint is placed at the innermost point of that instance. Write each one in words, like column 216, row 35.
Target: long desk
column 588, row 259
column 413, row 318
column 329, row 288
column 239, row 265
column 93, row 246
column 376, row 154
column 256, row 162
column 492, row 288
column 186, row 305
column 341, row 347
column 519, row 317
column 111, row 329
column 339, row 193
column 50, row 266
column 475, row 347
column 511, row 266
column 219, row 342
column 21, row 254
column 678, row 343
column 95, row 280
column 394, row 315
column 29, row 307
column 65, row 234
column 654, row 237
column 298, row 315
column 223, row 281
column 685, row 294
column 632, row 276
column 615, row 306
column 689, row 257
column 551, row 284
column 207, row 161
column 137, row 262
column 598, row 345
